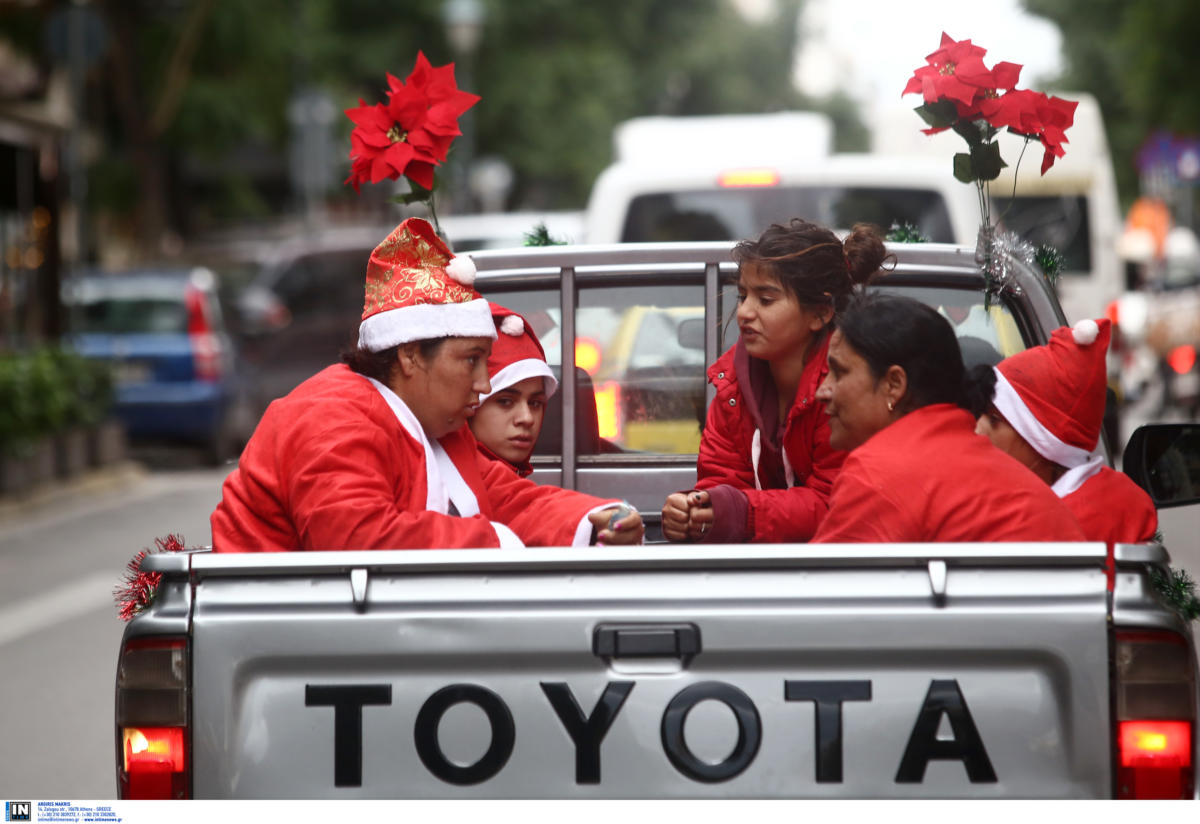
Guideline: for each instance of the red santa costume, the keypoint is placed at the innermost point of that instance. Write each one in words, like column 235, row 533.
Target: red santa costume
column 928, row 477
column 1053, row 396
column 516, row 355
column 768, row 483
column 341, row 462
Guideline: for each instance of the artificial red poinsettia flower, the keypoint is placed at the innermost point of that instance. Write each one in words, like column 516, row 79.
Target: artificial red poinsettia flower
column 411, row 133
column 1017, row 110
column 945, row 72
column 1033, row 114
column 1057, row 116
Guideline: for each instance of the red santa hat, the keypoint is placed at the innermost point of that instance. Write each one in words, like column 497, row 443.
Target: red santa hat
column 1054, row 395
column 417, row 290
column 516, row 355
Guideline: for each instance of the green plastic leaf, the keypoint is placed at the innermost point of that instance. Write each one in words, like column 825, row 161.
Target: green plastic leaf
column 963, row 169
column 940, row 114
column 986, row 161
column 970, row 131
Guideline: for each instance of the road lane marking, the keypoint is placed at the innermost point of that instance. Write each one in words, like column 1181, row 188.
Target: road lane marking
column 57, row 605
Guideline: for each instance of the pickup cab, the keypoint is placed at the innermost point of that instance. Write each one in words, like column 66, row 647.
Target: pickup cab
column 673, row 671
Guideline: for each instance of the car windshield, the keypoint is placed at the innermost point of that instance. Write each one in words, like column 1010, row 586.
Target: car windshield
column 1061, row 222
column 131, row 316
column 729, row 214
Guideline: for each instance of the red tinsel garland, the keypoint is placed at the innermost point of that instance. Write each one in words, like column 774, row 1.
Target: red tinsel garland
column 137, row 588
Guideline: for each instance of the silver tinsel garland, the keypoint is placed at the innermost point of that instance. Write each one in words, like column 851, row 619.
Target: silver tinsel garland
column 995, row 252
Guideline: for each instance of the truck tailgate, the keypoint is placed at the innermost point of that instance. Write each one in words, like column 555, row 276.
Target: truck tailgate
column 654, row 672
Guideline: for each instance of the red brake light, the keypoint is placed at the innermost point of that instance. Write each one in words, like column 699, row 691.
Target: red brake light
column 206, row 346
column 1155, row 743
column 737, row 178
column 1182, row 359
column 1155, row 715
column 1113, row 313
column 587, row 355
column 152, row 719
column 154, row 762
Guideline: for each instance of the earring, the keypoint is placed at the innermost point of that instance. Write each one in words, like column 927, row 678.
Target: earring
column 891, row 405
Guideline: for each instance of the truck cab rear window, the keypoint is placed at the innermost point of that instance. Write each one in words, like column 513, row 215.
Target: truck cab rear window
column 730, row 214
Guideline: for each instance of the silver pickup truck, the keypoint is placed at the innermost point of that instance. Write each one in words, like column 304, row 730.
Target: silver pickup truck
column 861, row 671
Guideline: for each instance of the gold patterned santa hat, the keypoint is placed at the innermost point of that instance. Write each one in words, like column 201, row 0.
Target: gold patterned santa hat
column 417, row 289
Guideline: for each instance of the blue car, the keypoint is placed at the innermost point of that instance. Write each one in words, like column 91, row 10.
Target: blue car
column 176, row 373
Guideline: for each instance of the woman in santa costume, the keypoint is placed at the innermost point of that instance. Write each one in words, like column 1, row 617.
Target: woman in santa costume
column 509, row 418
column 1047, row 413
column 766, row 467
column 374, row 453
column 900, row 400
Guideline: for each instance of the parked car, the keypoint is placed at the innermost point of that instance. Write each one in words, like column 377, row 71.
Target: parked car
column 176, row 370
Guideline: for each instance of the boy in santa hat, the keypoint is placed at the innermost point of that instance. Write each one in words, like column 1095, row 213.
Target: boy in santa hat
column 509, row 418
column 1047, row 413
column 373, row 453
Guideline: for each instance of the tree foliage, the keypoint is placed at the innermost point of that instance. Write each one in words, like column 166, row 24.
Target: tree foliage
column 191, row 99
column 1139, row 60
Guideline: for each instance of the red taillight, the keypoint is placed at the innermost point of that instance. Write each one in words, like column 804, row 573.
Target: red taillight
column 152, row 719
column 206, row 346
column 155, row 762
column 587, row 355
column 1182, row 359
column 1113, row 312
column 608, row 410
column 1155, row 705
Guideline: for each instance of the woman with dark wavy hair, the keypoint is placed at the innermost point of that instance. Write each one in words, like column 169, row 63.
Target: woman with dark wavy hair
column 901, row 402
column 766, row 467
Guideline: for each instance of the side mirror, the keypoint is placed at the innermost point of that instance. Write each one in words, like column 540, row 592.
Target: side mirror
column 690, row 333
column 1164, row 460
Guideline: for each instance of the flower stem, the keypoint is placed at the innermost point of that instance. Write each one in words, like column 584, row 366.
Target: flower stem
column 1016, row 170
column 437, row 227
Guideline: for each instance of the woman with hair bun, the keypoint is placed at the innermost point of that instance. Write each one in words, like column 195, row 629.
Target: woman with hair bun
column 766, row 467
column 900, row 401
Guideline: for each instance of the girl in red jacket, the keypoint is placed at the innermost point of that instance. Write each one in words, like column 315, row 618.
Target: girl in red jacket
column 900, row 400
column 766, row 467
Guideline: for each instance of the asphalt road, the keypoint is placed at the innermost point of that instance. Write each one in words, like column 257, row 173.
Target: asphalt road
column 59, row 632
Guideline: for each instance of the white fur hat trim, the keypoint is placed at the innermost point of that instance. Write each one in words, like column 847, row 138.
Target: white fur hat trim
column 1085, row 332
column 425, row 321
column 462, row 269
column 1008, row 401
column 518, row 371
column 512, row 325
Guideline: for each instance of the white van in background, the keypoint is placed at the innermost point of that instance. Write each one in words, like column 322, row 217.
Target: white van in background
column 729, row 177
column 1073, row 207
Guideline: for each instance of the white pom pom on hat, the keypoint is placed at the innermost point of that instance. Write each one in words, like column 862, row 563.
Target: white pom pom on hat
column 462, row 269
column 1085, row 332
column 513, row 325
